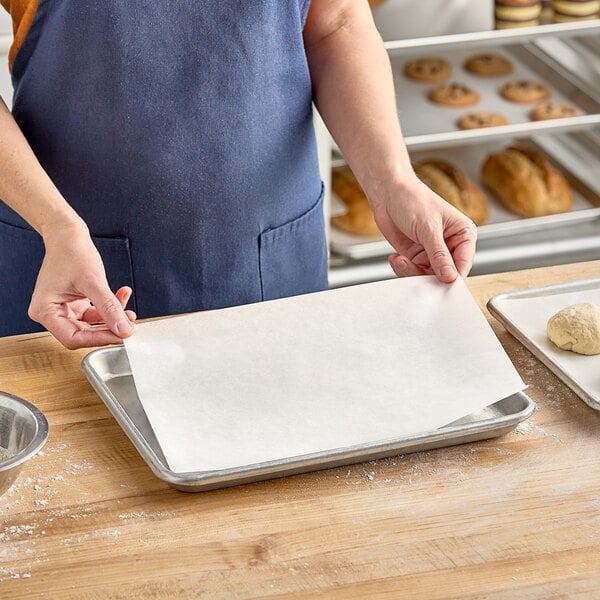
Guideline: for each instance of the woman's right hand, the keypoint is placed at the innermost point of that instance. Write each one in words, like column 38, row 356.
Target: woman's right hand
column 72, row 299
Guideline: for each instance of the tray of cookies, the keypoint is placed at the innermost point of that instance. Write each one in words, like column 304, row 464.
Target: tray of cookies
column 560, row 325
column 506, row 187
column 468, row 95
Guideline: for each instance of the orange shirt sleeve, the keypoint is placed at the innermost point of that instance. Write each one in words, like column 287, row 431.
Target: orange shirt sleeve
column 22, row 12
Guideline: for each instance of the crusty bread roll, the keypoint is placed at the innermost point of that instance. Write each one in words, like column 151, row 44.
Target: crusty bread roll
column 526, row 183
column 358, row 218
column 455, row 187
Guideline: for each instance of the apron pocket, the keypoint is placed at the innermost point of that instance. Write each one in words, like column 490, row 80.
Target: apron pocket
column 293, row 256
column 21, row 254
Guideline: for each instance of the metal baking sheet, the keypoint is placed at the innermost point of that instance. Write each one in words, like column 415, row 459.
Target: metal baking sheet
column 109, row 373
column 426, row 124
column 501, row 222
column 525, row 313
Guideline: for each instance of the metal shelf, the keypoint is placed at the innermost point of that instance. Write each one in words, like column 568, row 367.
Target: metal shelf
column 569, row 243
column 494, row 37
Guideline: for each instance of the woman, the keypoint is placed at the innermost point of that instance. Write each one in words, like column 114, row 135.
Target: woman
column 168, row 148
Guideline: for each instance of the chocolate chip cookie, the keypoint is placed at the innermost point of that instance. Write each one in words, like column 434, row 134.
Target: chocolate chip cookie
column 475, row 120
column 488, row 64
column 524, row 91
column 428, row 69
column 553, row 110
column 454, row 94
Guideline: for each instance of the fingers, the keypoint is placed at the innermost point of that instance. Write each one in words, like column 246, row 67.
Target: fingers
column 61, row 321
column 442, row 264
column 84, row 332
column 117, row 320
column 131, row 315
column 464, row 267
column 71, row 322
column 445, row 261
column 92, row 315
column 403, row 267
column 464, row 254
column 438, row 254
column 123, row 295
column 110, row 309
column 451, row 249
column 74, row 338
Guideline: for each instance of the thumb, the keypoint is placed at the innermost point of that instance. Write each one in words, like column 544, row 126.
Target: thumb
column 111, row 311
column 440, row 259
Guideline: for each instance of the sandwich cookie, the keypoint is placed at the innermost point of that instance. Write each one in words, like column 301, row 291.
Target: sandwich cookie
column 517, row 13
column 575, row 10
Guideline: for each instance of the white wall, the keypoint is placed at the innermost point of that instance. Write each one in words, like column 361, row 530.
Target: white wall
column 5, row 41
column 401, row 19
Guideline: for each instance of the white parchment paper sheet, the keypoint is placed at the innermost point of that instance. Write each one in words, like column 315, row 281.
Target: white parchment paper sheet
column 280, row 379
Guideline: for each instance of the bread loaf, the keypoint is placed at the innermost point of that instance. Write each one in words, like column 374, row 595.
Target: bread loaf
column 358, row 218
column 526, row 183
column 455, row 187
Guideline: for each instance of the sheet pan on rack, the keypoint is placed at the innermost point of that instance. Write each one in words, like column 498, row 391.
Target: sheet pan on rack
column 426, row 124
column 581, row 175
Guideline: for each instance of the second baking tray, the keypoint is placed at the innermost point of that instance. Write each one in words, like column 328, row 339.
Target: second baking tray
column 109, row 373
column 525, row 313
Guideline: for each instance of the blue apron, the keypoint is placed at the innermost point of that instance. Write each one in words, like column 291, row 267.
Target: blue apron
column 181, row 132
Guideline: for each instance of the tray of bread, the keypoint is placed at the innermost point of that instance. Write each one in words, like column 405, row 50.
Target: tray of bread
column 504, row 186
column 465, row 95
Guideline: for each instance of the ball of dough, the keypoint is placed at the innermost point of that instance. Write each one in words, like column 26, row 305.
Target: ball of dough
column 576, row 328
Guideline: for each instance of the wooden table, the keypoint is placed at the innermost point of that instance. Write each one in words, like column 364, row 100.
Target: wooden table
column 513, row 517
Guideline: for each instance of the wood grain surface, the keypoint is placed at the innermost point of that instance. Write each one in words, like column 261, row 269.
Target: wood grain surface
column 516, row 517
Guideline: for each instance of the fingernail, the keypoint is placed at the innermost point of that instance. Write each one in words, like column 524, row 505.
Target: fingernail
column 124, row 326
column 448, row 271
column 402, row 265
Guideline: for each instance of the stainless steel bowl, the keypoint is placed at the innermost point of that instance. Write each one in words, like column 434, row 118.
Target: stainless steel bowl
column 23, row 432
